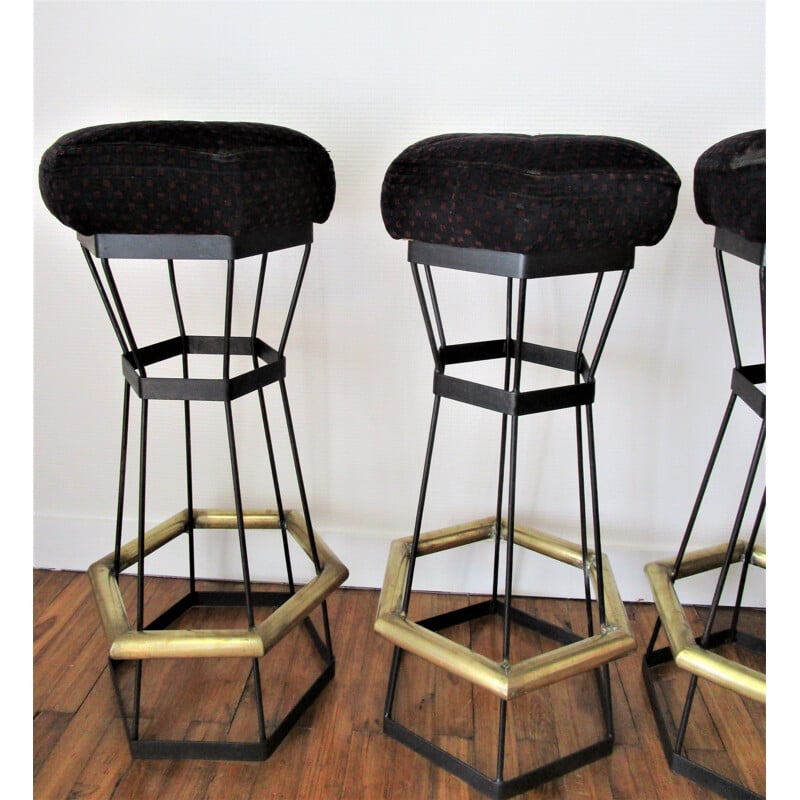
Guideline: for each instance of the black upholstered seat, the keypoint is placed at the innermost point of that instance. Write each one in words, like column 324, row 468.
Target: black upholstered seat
column 730, row 185
column 177, row 177
column 529, row 194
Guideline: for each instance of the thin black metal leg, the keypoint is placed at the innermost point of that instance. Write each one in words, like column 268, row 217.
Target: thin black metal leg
column 256, row 673
column 653, row 638
column 187, row 428
column 392, row 687
column 123, row 458
column 512, row 498
column 123, row 317
column 106, row 302
column 704, row 485
column 295, row 296
column 604, row 674
column 737, row 526
column 748, row 554
column 141, row 521
column 501, row 739
column 304, row 504
column 277, row 489
column 137, row 699
column 512, row 471
column 265, row 425
column 187, row 423
column 426, row 316
column 397, row 653
column 426, row 469
column 726, row 299
column 140, row 562
column 762, row 285
column 587, row 587
column 237, row 499
column 237, row 493
column 598, row 546
column 503, row 437
column 687, row 709
column 511, row 520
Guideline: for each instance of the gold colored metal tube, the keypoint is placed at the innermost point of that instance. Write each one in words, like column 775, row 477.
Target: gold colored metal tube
column 568, row 660
column 547, row 545
column 686, row 652
column 129, row 644
column 136, row 645
column 105, row 587
column 454, row 536
column 614, row 641
column 444, row 653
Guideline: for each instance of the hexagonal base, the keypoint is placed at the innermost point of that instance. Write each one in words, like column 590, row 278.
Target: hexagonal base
column 686, row 653
column 575, row 654
column 130, row 646
column 506, row 681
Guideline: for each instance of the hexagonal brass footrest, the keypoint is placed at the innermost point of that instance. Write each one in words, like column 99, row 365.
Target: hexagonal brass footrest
column 686, row 652
column 506, row 681
column 129, row 648
column 126, row 643
column 572, row 656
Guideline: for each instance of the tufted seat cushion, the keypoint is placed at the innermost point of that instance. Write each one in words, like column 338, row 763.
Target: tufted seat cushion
column 180, row 177
column 529, row 194
column 730, row 185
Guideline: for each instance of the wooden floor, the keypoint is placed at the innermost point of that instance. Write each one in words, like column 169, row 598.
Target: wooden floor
column 337, row 750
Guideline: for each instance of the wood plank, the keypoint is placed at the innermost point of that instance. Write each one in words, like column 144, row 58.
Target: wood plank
column 338, row 750
column 62, row 629
column 452, row 696
column 584, row 709
column 368, row 766
column 47, row 729
column 230, row 774
column 487, row 638
column 141, row 779
column 447, row 786
column 47, row 584
column 72, row 759
column 738, row 735
column 648, row 763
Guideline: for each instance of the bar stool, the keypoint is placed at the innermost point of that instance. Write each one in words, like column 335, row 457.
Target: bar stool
column 730, row 194
column 517, row 208
column 200, row 191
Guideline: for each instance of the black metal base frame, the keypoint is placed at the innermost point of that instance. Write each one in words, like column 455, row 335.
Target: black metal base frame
column 746, row 386
column 257, row 750
column 500, row 788
column 678, row 762
column 267, row 366
column 512, row 403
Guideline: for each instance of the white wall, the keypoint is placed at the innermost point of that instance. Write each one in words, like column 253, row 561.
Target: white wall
column 366, row 80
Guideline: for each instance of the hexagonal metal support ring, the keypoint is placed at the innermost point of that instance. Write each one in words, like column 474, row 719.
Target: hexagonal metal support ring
column 506, row 681
column 126, row 643
column 686, row 652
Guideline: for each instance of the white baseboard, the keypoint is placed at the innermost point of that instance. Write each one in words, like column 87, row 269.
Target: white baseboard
column 74, row 544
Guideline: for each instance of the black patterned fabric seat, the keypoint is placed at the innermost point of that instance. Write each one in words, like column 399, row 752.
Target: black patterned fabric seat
column 529, row 194
column 177, row 177
column 730, row 180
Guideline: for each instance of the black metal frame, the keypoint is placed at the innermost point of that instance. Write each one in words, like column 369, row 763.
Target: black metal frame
column 513, row 403
column 745, row 386
column 268, row 367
